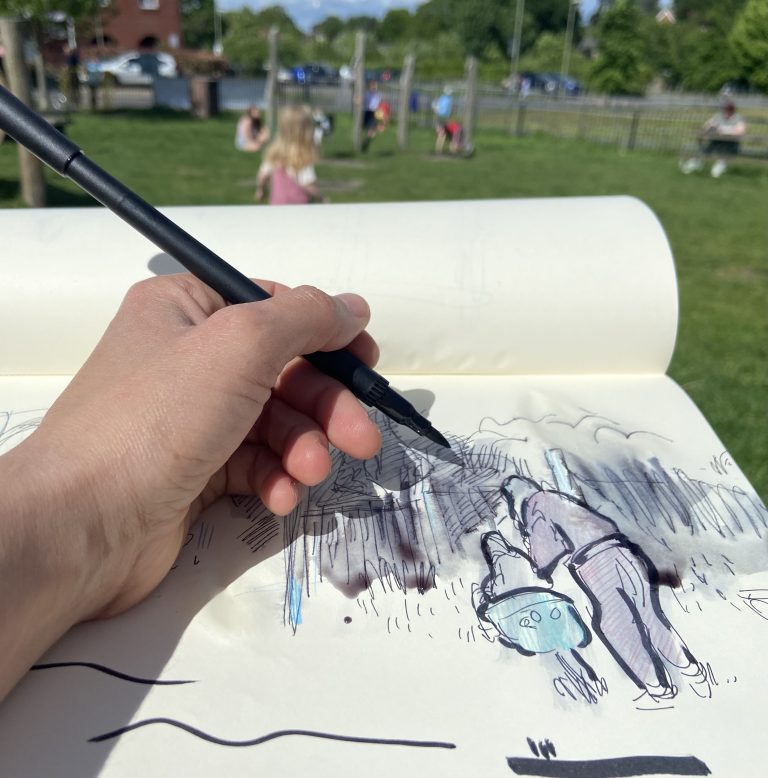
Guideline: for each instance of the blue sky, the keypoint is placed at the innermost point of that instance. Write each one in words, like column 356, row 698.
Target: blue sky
column 309, row 12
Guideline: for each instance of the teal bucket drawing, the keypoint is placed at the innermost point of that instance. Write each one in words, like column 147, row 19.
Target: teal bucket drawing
column 536, row 621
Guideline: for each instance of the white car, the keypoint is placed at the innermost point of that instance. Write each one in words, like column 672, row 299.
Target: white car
column 135, row 69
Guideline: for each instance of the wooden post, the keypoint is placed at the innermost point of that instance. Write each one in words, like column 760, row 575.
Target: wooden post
column 520, row 127
column 30, row 168
column 270, row 91
column 43, row 99
column 470, row 101
column 404, row 109
column 632, row 140
column 359, row 91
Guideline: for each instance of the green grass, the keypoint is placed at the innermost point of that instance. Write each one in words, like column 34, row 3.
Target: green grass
column 717, row 228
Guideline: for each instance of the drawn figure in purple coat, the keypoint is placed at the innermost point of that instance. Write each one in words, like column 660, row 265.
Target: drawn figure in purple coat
column 616, row 575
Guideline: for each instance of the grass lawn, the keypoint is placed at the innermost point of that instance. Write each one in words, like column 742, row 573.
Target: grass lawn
column 718, row 228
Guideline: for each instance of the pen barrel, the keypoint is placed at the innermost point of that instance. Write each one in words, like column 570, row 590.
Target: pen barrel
column 208, row 266
column 366, row 384
column 30, row 130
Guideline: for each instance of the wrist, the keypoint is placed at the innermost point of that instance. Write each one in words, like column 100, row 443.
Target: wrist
column 51, row 554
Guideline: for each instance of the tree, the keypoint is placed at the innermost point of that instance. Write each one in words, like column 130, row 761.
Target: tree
column 432, row 18
column 197, row 23
column 620, row 67
column 546, row 56
column 477, row 24
column 40, row 12
column 749, row 40
column 365, row 23
column 329, row 28
column 395, row 26
column 708, row 12
column 245, row 42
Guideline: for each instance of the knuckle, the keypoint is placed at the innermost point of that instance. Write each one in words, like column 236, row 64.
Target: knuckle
column 142, row 291
column 321, row 303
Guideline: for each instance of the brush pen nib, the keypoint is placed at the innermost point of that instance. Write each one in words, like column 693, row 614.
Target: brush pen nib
column 432, row 434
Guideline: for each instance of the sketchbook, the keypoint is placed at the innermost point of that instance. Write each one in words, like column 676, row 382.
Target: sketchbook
column 585, row 594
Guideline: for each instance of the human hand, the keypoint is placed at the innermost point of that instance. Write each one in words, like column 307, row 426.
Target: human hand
column 184, row 400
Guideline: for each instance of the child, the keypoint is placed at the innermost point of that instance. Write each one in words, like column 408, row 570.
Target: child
column 289, row 161
column 251, row 134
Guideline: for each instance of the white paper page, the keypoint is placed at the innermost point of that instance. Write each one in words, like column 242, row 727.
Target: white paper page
column 577, row 285
column 278, row 631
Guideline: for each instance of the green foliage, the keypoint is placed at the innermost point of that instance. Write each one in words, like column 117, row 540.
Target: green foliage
column 546, row 56
column 365, row 23
column 329, row 28
column 38, row 13
column 197, row 23
column 433, row 18
column 621, row 67
column 749, row 39
column 708, row 12
column 395, row 26
column 477, row 24
column 246, row 43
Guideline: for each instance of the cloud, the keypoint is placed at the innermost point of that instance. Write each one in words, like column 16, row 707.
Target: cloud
column 307, row 13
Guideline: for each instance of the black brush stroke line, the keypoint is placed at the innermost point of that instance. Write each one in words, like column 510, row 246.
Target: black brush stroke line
column 620, row 767
column 584, row 418
column 271, row 736
column 108, row 671
column 628, row 435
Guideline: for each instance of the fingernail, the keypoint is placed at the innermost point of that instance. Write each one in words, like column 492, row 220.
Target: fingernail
column 355, row 304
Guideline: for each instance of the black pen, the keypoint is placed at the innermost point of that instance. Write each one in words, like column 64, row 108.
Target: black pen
column 58, row 152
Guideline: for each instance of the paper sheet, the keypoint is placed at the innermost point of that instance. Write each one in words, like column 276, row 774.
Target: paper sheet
column 348, row 634
column 588, row 584
column 578, row 285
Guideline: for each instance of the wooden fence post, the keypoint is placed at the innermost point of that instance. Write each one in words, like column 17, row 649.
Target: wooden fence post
column 520, row 125
column 30, row 167
column 634, row 124
column 404, row 109
column 470, row 101
column 270, row 90
column 359, row 91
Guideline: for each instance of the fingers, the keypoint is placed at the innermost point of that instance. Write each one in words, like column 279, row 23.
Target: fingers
column 297, row 440
column 334, row 407
column 263, row 337
column 254, row 470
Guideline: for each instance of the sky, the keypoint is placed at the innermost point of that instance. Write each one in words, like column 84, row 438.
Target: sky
column 307, row 13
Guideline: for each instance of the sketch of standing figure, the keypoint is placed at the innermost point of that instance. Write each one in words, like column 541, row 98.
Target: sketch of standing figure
column 618, row 578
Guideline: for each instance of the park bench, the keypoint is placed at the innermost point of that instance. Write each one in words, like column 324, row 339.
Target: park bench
column 752, row 147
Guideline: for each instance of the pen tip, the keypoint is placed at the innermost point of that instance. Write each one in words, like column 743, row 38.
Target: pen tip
column 432, row 434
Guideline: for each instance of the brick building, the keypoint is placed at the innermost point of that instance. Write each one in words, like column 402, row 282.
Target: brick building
column 140, row 24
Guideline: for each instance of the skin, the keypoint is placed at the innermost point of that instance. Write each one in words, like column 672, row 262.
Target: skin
column 183, row 400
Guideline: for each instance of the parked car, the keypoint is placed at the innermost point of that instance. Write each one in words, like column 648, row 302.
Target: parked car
column 136, row 69
column 563, row 84
column 552, row 83
column 315, row 73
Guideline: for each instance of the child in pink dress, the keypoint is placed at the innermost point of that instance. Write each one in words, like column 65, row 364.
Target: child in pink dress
column 288, row 167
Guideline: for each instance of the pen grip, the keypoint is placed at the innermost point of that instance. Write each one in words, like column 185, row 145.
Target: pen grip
column 366, row 384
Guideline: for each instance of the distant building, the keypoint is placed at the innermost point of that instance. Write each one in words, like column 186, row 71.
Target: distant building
column 666, row 16
column 139, row 24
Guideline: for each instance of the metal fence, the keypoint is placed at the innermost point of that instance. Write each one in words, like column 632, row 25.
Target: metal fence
column 664, row 122
column 639, row 124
